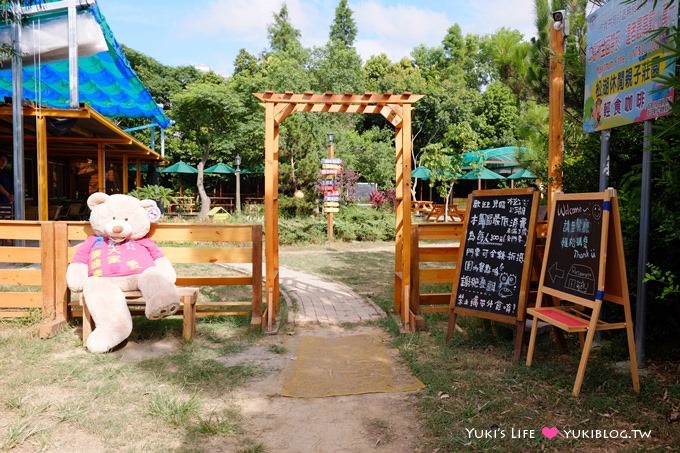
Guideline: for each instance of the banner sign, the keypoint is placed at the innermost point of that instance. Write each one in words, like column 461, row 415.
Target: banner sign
column 623, row 64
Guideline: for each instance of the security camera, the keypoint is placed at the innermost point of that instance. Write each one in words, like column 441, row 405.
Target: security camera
column 560, row 21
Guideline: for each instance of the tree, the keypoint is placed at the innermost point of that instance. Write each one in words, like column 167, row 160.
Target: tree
column 445, row 166
column 208, row 114
column 337, row 65
column 343, row 29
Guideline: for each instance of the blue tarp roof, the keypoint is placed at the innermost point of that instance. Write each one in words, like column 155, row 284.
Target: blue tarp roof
column 106, row 80
column 505, row 156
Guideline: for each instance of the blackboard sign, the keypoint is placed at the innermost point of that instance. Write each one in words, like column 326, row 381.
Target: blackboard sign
column 572, row 264
column 495, row 258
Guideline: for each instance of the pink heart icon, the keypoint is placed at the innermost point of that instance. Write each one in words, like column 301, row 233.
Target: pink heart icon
column 550, row 432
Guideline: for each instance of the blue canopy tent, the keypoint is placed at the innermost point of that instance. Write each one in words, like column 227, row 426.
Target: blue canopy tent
column 70, row 76
column 106, row 81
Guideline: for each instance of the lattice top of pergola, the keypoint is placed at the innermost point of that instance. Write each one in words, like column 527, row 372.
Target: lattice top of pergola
column 386, row 104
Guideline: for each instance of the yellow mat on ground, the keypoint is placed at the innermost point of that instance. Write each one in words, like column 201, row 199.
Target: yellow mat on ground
column 345, row 365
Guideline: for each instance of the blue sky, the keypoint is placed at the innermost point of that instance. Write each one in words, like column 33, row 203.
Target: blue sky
column 211, row 32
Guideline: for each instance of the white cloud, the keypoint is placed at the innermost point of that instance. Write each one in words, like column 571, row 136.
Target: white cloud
column 396, row 29
column 489, row 16
column 246, row 21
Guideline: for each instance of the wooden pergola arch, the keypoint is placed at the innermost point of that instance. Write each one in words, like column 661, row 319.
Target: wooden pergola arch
column 396, row 108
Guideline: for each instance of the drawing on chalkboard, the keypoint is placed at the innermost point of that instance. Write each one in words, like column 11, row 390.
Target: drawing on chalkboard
column 581, row 279
column 597, row 212
column 555, row 273
column 507, row 285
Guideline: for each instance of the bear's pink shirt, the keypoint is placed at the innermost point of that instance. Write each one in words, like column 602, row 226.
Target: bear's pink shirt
column 105, row 258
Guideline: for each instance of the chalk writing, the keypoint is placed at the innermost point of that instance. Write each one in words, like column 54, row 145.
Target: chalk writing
column 494, row 253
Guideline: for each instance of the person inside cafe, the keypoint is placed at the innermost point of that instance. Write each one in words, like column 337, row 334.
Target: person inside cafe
column 111, row 183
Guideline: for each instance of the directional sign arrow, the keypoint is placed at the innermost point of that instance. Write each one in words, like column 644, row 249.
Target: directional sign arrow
column 555, row 273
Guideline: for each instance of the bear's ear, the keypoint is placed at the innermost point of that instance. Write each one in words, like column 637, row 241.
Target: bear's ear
column 96, row 199
column 146, row 203
column 152, row 210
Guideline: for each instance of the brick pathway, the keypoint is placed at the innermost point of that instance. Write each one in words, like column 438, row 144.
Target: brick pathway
column 321, row 301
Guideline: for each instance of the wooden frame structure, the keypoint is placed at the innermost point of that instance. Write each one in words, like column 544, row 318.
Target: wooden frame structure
column 90, row 135
column 396, row 109
column 586, row 293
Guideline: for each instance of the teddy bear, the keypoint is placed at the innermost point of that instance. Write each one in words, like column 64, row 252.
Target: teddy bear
column 119, row 257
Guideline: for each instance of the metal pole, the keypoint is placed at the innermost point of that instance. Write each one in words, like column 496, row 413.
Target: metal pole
column 605, row 135
column 237, row 161
column 18, row 115
column 73, row 55
column 643, row 246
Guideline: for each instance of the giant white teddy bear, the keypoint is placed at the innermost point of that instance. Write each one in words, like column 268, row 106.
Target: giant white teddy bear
column 119, row 257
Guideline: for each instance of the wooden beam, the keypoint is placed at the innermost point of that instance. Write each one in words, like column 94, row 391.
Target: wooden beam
column 330, row 98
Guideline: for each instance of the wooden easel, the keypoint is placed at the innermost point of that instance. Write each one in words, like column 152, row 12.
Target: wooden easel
column 585, row 277
column 508, row 281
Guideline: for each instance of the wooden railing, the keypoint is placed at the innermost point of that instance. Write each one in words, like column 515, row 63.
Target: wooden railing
column 434, row 256
column 26, row 269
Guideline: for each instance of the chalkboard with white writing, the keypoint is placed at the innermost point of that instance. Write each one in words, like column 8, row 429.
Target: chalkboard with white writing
column 495, row 258
column 573, row 260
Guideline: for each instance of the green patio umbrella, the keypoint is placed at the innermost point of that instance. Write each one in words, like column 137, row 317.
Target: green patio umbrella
column 423, row 173
column 524, row 173
column 179, row 167
column 220, row 169
column 481, row 173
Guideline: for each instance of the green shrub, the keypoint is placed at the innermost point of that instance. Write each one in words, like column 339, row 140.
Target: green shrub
column 295, row 207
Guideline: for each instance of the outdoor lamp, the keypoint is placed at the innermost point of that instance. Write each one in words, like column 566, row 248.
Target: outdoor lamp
column 237, row 161
column 330, row 138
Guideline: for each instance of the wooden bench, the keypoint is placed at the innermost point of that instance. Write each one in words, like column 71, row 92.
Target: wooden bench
column 215, row 246
column 453, row 214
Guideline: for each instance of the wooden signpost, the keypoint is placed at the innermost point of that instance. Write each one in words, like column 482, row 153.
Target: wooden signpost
column 584, row 265
column 494, row 265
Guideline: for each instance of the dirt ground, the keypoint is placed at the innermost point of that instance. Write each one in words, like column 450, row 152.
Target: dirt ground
column 358, row 423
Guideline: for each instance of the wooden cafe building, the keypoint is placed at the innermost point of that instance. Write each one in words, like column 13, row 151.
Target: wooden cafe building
column 64, row 89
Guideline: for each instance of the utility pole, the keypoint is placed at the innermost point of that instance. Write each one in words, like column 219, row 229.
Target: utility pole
column 558, row 35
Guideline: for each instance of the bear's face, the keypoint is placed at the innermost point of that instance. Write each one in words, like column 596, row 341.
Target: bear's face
column 120, row 217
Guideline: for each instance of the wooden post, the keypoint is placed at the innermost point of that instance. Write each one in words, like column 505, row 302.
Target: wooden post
column 556, row 111
column 43, row 195
column 126, row 181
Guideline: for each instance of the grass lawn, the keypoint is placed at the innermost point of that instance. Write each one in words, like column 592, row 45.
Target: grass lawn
column 476, row 399
column 58, row 397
